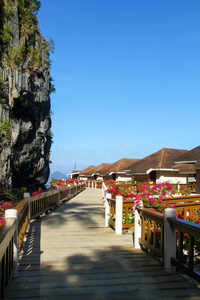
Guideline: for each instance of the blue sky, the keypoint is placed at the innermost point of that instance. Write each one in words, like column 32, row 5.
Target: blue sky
column 127, row 78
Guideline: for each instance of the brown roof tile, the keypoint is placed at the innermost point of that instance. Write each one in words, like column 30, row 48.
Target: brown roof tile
column 120, row 165
column 185, row 168
column 101, row 168
column 162, row 159
column 88, row 171
column 192, row 155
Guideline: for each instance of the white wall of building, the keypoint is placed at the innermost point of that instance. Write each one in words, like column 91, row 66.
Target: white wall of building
column 99, row 178
column 121, row 178
column 83, row 178
column 172, row 177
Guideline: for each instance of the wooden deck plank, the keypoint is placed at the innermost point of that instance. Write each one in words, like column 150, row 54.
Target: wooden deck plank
column 69, row 254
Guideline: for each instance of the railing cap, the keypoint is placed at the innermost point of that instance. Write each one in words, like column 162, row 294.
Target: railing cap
column 26, row 195
column 11, row 213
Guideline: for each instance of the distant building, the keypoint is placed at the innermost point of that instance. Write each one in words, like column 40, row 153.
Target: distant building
column 189, row 164
column 173, row 165
column 74, row 174
column 159, row 167
column 120, row 170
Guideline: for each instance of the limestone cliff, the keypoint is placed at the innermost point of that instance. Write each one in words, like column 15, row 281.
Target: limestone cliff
column 25, row 136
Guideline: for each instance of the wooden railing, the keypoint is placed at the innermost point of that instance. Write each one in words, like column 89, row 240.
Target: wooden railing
column 152, row 231
column 29, row 208
column 182, row 199
column 189, row 210
column 129, row 187
column 186, row 205
column 23, row 221
column 186, row 265
column 6, row 254
column 190, row 186
column 41, row 203
column 97, row 184
column 128, row 205
column 134, row 188
column 153, row 238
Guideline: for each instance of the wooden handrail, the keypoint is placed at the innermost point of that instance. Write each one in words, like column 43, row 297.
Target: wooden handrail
column 39, row 204
column 185, row 226
column 193, row 230
column 152, row 215
column 190, row 209
column 154, row 241
column 127, row 204
column 183, row 199
column 152, row 231
column 6, row 254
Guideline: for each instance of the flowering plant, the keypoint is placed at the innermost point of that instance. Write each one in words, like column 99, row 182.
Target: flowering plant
column 9, row 199
column 58, row 183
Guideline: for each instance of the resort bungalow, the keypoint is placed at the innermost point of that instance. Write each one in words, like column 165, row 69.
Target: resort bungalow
column 119, row 170
column 74, row 174
column 159, row 167
column 189, row 164
column 87, row 173
column 100, row 171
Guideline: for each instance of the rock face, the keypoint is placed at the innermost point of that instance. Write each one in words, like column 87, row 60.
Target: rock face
column 25, row 136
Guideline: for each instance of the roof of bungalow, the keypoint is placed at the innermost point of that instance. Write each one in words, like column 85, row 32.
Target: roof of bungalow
column 191, row 156
column 100, row 169
column 185, row 168
column 88, row 171
column 121, row 166
column 160, row 160
column 197, row 164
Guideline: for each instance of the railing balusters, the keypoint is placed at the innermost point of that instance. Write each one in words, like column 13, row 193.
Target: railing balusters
column 191, row 252
column 11, row 235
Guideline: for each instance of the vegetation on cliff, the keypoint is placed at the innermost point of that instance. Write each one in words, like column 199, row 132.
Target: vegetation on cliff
column 25, row 86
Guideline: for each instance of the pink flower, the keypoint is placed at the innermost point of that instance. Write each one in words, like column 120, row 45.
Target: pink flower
column 137, row 202
column 152, row 200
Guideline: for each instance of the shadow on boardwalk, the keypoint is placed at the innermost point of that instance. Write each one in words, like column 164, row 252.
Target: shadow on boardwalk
column 70, row 255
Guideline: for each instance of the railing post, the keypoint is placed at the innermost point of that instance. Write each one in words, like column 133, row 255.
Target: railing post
column 137, row 226
column 169, row 239
column 58, row 198
column 118, row 214
column 107, row 208
column 92, row 184
column 12, row 213
column 103, row 190
column 27, row 198
column 69, row 191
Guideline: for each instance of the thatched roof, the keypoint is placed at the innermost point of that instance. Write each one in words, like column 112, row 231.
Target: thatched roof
column 190, row 156
column 121, row 165
column 162, row 159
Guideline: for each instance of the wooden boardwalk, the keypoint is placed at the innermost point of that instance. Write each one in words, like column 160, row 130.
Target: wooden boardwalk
column 69, row 254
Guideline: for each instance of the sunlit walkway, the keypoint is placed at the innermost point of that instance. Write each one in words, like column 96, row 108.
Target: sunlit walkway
column 69, row 254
